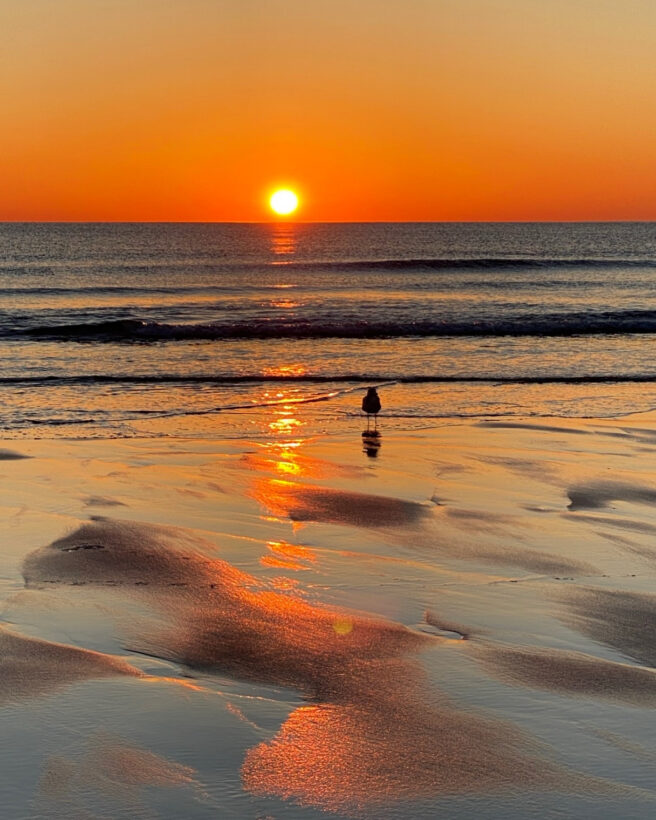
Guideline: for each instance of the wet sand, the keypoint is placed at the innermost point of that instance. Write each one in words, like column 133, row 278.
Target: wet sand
column 464, row 623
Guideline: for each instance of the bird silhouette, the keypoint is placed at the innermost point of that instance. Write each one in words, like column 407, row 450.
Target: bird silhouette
column 371, row 406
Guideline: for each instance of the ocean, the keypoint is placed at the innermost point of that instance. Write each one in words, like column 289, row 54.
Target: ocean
column 122, row 330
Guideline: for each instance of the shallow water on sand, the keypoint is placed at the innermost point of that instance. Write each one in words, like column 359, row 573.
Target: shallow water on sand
column 462, row 624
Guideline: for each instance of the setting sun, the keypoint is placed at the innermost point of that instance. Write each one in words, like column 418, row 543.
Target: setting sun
column 283, row 202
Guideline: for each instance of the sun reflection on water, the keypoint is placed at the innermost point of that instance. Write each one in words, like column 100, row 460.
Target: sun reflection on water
column 285, row 422
column 285, row 370
column 285, row 304
column 283, row 242
column 288, row 556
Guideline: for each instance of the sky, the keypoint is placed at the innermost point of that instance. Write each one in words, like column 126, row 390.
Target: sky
column 372, row 110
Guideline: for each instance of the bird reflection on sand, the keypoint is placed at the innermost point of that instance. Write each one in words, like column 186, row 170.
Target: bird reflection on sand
column 371, row 443
column 374, row 733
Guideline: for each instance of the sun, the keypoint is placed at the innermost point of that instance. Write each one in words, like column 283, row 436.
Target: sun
column 283, row 202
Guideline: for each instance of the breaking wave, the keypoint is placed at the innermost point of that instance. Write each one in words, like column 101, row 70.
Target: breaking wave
column 466, row 263
column 218, row 264
column 379, row 379
column 135, row 330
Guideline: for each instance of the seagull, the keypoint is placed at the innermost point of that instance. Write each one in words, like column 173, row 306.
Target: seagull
column 371, row 406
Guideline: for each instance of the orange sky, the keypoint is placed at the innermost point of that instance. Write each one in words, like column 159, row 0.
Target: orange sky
column 371, row 109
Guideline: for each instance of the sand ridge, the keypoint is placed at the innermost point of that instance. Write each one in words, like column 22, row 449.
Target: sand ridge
column 303, row 502
column 420, row 526
column 110, row 766
column 621, row 619
column 30, row 667
column 596, row 495
column 11, row 455
column 369, row 700
column 573, row 673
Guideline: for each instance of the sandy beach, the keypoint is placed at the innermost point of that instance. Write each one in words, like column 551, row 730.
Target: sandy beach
column 295, row 629
column 327, row 410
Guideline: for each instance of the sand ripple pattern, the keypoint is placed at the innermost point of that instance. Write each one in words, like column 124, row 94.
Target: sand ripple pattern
column 368, row 702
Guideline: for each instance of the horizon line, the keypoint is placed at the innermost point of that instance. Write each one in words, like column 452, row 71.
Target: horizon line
column 327, row 222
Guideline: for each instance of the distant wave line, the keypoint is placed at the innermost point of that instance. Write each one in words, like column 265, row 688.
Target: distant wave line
column 472, row 263
column 396, row 263
column 140, row 331
column 377, row 379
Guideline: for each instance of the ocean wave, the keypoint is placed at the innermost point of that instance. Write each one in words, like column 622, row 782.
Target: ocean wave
column 139, row 331
column 77, row 290
column 221, row 265
column 470, row 263
column 378, row 379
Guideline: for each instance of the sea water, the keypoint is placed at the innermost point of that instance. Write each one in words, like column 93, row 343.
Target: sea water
column 269, row 329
